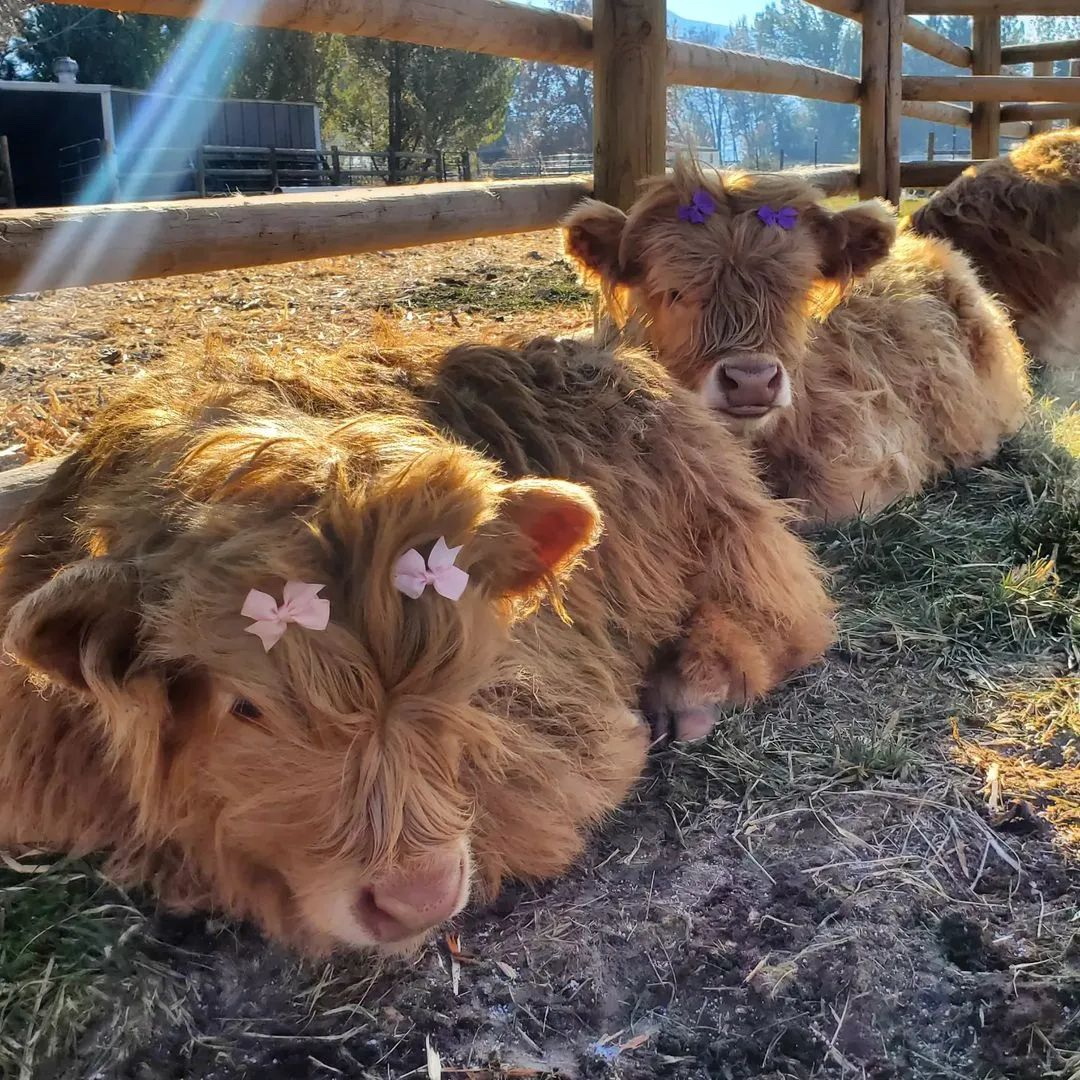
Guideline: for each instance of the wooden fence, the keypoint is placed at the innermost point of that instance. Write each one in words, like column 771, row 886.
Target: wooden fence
column 7, row 180
column 255, row 169
column 633, row 63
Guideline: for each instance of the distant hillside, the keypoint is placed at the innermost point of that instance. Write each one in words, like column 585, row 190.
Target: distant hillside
column 696, row 30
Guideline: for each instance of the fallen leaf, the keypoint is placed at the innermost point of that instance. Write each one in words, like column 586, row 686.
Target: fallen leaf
column 453, row 946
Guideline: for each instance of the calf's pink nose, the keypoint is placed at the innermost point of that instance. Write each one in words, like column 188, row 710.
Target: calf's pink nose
column 408, row 902
column 750, row 383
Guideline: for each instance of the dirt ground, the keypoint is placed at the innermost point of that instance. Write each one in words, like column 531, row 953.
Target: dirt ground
column 871, row 874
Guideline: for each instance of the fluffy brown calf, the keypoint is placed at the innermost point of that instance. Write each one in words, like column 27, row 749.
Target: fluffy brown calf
column 860, row 371
column 394, row 753
column 1018, row 219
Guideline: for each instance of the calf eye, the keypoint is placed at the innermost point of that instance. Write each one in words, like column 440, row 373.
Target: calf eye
column 673, row 296
column 245, row 710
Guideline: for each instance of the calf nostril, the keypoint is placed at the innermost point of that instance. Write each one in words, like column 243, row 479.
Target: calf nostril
column 382, row 924
column 404, row 904
column 749, row 385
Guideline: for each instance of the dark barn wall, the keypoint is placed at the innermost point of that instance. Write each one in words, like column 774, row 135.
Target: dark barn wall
column 219, row 123
column 37, row 125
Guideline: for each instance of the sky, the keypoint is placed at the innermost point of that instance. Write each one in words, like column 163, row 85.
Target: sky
column 715, row 11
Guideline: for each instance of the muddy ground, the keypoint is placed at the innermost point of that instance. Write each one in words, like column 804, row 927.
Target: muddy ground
column 873, row 873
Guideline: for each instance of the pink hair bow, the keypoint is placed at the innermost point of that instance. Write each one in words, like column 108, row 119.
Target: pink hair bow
column 301, row 604
column 412, row 575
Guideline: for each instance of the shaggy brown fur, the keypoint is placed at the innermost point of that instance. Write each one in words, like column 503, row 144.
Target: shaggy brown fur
column 1018, row 219
column 346, row 786
column 889, row 368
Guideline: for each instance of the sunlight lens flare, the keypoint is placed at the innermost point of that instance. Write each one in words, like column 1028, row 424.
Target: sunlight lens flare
column 163, row 129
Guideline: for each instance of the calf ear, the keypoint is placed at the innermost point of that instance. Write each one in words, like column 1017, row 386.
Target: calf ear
column 78, row 629
column 854, row 240
column 592, row 233
column 544, row 525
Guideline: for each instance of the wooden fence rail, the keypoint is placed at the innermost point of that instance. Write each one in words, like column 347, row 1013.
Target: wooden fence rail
column 994, row 8
column 1040, row 51
column 504, row 29
column 1038, row 111
column 932, row 174
column 990, row 88
column 73, row 246
column 483, row 26
column 55, row 248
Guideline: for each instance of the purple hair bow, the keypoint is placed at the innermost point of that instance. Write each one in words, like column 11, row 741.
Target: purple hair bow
column 698, row 209
column 785, row 217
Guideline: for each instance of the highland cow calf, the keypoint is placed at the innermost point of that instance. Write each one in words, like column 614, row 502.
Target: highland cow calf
column 332, row 648
column 1018, row 219
column 860, row 371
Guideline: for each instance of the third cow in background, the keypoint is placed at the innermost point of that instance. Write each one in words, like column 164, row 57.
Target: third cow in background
column 1018, row 219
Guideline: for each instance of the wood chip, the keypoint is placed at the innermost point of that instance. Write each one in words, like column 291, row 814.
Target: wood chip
column 434, row 1062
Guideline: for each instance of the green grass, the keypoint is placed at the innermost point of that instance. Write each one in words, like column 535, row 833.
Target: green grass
column 61, row 939
column 497, row 291
column 986, row 563
column 842, row 202
column 958, row 647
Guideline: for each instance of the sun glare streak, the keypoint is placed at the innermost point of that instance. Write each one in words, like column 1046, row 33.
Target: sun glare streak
column 162, row 128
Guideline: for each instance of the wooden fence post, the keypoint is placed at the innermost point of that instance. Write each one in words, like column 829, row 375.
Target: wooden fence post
column 109, row 163
column 7, row 177
column 1042, row 67
column 629, row 96
column 335, row 166
column 1074, row 71
column 881, row 100
column 200, row 171
column 930, row 146
column 273, row 167
column 986, row 60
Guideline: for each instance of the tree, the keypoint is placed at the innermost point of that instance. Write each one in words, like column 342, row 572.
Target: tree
column 551, row 109
column 436, row 98
column 793, row 30
column 122, row 50
column 752, row 119
column 698, row 116
column 281, row 65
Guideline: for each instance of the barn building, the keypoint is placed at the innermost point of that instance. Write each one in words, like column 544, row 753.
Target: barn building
column 58, row 133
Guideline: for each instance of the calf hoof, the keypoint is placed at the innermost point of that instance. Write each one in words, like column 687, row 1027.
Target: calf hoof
column 671, row 716
column 691, row 725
